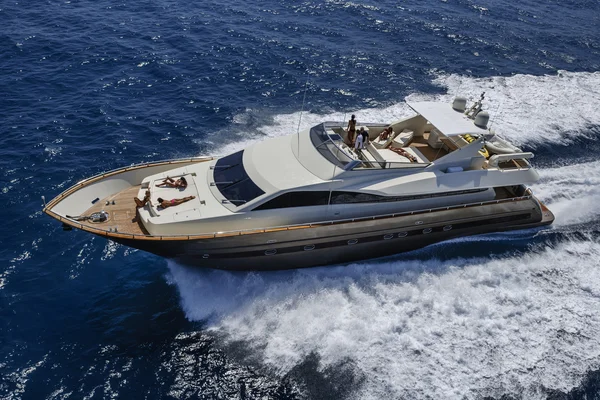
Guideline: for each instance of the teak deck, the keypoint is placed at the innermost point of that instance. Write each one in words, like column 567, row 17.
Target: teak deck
column 122, row 215
column 432, row 154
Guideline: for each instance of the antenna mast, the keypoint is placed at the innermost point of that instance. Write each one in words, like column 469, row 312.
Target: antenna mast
column 301, row 111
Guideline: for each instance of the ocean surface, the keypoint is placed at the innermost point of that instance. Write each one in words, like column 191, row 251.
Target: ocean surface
column 88, row 86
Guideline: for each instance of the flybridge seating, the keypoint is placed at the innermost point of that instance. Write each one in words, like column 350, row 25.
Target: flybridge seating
column 328, row 140
column 437, row 131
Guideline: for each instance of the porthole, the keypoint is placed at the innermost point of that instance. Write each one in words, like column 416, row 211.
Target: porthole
column 447, row 228
column 388, row 236
column 403, row 234
column 352, row 241
column 419, row 223
column 427, row 230
column 309, row 247
column 205, row 255
column 271, row 241
column 270, row 252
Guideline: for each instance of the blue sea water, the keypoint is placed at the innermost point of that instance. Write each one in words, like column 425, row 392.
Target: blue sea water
column 91, row 86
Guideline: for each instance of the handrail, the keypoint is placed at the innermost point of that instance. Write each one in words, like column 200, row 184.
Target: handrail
column 251, row 231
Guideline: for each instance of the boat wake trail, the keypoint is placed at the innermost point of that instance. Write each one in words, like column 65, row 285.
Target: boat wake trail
column 521, row 322
column 572, row 192
column 425, row 326
column 452, row 329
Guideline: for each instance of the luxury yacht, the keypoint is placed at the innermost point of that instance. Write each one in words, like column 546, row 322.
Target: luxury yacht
column 310, row 198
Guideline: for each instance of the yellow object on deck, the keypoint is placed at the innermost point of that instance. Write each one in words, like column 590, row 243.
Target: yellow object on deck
column 471, row 139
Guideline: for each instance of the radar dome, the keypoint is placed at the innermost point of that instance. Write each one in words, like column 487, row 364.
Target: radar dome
column 482, row 119
column 459, row 103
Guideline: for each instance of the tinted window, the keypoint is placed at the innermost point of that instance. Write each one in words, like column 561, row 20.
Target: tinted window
column 304, row 199
column 296, row 199
column 354, row 197
column 232, row 180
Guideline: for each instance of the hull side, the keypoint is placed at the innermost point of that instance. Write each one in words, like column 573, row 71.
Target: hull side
column 353, row 241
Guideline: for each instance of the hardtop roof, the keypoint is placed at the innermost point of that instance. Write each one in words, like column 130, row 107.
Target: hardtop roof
column 447, row 120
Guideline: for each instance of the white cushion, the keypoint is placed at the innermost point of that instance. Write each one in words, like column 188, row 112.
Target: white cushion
column 403, row 138
column 434, row 139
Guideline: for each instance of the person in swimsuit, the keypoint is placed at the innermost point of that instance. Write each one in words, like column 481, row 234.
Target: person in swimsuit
column 142, row 203
column 173, row 202
column 351, row 130
column 170, row 182
column 404, row 153
column 387, row 132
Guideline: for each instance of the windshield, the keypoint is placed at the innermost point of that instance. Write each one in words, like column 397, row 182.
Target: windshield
column 328, row 144
column 232, row 180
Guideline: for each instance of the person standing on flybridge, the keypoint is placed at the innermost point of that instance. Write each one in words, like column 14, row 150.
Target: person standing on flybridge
column 351, row 130
column 361, row 139
column 359, row 144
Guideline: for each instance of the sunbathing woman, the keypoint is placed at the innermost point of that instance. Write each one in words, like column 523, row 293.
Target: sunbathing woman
column 404, row 153
column 173, row 202
column 170, row 182
column 142, row 203
column 386, row 133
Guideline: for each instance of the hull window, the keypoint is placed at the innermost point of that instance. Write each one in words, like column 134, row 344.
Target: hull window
column 403, row 234
column 309, row 247
column 427, row 230
column 270, row 252
column 447, row 228
column 352, row 241
column 388, row 236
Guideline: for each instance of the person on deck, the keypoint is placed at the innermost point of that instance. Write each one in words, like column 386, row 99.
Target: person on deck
column 404, row 153
column 351, row 130
column 387, row 132
column 359, row 144
column 365, row 136
column 170, row 182
column 146, row 199
column 173, row 202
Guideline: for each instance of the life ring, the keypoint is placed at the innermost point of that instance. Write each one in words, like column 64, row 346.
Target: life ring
column 471, row 139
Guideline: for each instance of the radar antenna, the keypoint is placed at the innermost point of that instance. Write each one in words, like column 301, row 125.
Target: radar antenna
column 475, row 108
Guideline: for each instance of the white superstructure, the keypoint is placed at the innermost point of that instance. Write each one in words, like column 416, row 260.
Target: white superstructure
column 315, row 175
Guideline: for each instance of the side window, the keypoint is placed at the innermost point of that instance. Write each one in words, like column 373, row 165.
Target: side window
column 353, row 197
column 296, row 199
